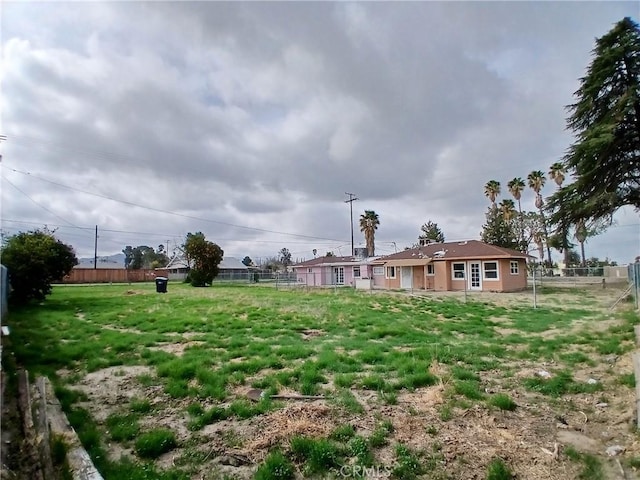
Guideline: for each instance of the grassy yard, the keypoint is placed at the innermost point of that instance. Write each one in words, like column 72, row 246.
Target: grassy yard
column 414, row 386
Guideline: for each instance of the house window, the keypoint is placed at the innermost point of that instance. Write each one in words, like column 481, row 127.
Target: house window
column 309, row 270
column 356, row 272
column 391, row 272
column 378, row 270
column 458, row 270
column 514, row 267
column 490, row 270
column 431, row 269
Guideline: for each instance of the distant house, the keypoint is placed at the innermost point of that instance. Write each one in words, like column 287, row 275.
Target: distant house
column 335, row 271
column 177, row 268
column 455, row 266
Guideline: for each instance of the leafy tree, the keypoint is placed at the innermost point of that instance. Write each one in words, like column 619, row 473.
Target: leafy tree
column 284, row 257
column 531, row 231
column 247, row 261
column 35, row 259
column 431, row 233
column 369, row 222
column 203, row 257
column 143, row 256
column 573, row 259
column 498, row 230
column 605, row 157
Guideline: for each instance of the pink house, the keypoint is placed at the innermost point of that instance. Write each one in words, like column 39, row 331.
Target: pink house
column 340, row 271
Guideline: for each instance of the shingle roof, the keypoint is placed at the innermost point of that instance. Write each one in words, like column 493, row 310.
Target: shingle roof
column 335, row 261
column 455, row 250
column 228, row 263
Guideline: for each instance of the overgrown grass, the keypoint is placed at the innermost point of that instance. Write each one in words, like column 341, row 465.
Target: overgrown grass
column 239, row 336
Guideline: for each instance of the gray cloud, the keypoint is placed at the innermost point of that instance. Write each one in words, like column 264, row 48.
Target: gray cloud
column 263, row 114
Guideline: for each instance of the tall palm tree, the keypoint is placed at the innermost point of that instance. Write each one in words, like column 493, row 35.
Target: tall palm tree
column 369, row 222
column 536, row 181
column 537, row 239
column 516, row 186
column 557, row 174
column 581, row 236
column 492, row 190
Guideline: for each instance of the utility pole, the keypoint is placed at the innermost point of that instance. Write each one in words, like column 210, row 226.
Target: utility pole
column 95, row 250
column 352, row 198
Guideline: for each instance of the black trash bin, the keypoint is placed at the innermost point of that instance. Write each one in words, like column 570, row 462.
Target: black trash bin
column 161, row 284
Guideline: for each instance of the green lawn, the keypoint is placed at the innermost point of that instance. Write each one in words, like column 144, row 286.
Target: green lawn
column 339, row 343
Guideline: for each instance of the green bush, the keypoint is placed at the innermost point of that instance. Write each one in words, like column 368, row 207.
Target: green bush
column 35, row 260
column 343, row 432
column 154, row 443
column 498, row 470
column 275, row 467
column 503, row 402
column 122, row 427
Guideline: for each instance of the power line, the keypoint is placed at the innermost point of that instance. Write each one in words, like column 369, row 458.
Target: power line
column 191, row 217
column 164, row 235
column 39, row 205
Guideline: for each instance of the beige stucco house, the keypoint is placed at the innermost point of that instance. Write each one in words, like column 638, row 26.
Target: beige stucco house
column 454, row 266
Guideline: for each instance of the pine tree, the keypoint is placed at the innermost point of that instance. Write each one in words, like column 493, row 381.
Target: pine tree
column 605, row 157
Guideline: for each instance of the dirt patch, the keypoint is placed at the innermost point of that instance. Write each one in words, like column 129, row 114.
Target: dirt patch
column 309, row 419
column 311, row 333
column 122, row 330
column 176, row 349
column 112, row 387
column 423, row 399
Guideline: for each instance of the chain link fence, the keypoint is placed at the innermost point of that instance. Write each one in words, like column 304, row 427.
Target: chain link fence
column 256, row 277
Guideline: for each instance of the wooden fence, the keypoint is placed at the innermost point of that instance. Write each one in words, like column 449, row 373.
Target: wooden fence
column 109, row 275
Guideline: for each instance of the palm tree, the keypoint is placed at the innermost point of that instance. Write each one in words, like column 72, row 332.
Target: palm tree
column 492, row 190
column 536, row 181
column 516, row 186
column 508, row 209
column 369, row 222
column 581, row 236
column 557, row 174
column 537, row 239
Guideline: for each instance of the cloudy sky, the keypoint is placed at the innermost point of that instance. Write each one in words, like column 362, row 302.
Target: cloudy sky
column 250, row 121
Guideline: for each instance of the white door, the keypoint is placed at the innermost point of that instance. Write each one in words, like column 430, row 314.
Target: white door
column 406, row 277
column 338, row 275
column 475, row 278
